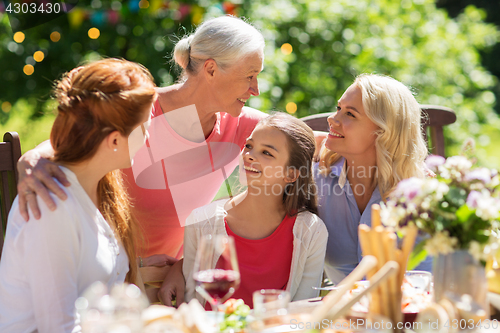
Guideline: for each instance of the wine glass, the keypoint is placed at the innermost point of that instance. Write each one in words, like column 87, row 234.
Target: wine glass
column 216, row 270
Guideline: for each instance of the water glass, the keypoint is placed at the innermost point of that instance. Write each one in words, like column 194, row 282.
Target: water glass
column 420, row 280
column 270, row 302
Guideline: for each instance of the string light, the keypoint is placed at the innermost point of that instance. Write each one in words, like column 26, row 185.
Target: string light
column 6, row 106
column 55, row 36
column 291, row 107
column 286, row 48
column 19, row 37
column 28, row 69
column 38, row 56
column 94, row 33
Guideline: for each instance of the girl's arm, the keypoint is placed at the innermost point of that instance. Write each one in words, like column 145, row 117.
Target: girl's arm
column 190, row 247
column 36, row 178
column 313, row 269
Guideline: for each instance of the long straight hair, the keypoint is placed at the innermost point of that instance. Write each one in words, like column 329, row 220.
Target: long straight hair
column 94, row 100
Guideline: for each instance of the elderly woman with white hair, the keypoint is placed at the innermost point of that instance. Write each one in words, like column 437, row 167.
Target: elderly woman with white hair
column 375, row 141
column 198, row 129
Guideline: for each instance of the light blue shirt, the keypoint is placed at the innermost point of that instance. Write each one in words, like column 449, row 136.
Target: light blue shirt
column 337, row 207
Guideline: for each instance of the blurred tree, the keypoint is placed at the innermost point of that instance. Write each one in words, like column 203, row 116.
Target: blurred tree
column 314, row 50
column 142, row 31
column 489, row 55
column 317, row 47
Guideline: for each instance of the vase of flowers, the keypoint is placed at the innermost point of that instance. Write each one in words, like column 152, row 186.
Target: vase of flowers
column 457, row 212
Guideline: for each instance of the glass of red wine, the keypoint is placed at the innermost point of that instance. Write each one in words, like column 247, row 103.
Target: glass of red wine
column 216, row 269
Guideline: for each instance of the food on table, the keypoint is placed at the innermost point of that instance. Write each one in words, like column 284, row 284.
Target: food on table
column 414, row 299
column 157, row 312
column 458, row 312
column 381, row 242
column 451, row 310
column 432, row 319
column 188, row 318
column 235, row 315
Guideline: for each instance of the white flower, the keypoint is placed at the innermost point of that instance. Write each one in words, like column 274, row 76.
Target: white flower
column 478, row 251
column 488, row 208
column 458, row 163
column 440, row 243
column 480, row 174
column 436, row 188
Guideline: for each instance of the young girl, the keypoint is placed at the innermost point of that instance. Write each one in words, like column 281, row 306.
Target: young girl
column 47, row 264
column 280, row 241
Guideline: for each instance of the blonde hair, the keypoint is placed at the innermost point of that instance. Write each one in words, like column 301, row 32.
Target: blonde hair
column 225, row 39
column 400, row 147
column 95, row 100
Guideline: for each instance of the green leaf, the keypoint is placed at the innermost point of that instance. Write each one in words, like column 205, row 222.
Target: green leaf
column 465, row 214
column 417, row 256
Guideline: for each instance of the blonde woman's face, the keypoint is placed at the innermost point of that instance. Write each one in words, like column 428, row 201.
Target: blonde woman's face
column 352, row 133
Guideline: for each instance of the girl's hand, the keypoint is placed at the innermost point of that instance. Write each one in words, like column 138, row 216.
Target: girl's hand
column 36, row 177
column 157, row 260
column 173, row 286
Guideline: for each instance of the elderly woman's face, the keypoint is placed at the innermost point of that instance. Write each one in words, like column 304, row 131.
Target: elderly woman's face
column 351, row 131
column 237, row 83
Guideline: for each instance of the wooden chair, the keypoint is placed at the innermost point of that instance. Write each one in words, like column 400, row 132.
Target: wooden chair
column 433, row 119
column 10, row 152
column 152, row 278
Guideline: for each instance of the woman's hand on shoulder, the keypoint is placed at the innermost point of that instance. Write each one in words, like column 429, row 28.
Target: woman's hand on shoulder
column 36, row 177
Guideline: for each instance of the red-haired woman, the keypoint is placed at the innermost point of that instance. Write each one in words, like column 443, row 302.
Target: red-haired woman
column 103, row 114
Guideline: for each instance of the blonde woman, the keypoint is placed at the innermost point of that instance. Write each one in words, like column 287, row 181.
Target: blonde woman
column 375, row 141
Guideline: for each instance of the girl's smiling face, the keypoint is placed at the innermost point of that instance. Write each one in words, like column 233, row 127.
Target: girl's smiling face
column 351, row 131
column 264, row 159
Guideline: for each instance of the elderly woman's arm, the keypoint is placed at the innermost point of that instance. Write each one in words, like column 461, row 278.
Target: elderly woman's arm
column 36, row 178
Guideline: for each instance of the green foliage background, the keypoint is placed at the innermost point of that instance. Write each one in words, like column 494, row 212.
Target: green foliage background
column 332, row 41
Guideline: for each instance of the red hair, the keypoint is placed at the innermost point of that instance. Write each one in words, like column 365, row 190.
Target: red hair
column 94, row 100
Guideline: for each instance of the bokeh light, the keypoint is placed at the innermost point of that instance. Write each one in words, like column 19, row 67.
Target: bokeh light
column 143, row 4
column 94, row 33
column 6, row 106
column 38, row 56
column 55, row 36
column 291, row 107
column 28, row 69
column 19, row 37
column 286, row 48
